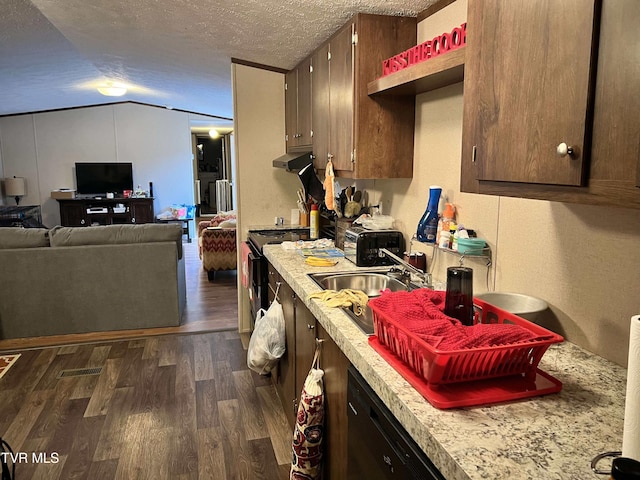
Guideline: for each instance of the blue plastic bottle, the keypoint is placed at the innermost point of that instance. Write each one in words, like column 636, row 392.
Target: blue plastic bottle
column 428, row 225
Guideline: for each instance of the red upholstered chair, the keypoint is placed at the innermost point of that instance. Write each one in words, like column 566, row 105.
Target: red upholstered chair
column 217, row 244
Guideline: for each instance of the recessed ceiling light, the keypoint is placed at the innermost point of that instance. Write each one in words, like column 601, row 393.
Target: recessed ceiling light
column 213, row 133
column 111, row 89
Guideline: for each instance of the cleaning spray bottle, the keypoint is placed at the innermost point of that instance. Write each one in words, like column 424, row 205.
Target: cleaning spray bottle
column 428, row 225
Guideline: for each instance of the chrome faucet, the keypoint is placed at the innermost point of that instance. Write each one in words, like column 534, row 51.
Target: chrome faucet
column 425, row 277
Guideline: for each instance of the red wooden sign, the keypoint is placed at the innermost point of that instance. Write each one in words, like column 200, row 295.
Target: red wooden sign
column 426, row 50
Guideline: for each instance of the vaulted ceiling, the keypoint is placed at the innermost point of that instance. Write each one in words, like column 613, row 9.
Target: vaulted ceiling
column 170, row 53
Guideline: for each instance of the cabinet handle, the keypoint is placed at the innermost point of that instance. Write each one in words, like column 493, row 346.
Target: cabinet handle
column 563, row 150
column 310, row 327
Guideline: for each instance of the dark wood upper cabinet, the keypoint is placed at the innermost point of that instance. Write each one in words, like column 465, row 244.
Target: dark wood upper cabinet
column 534, row 80
column 291, row 108
column 320, row 105
column 304, row 103
column 366, row 137
column 528, row 88
column 298, row 107
column 341, row 85
column 616, row 126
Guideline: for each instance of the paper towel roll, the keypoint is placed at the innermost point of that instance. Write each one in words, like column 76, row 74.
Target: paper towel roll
column 631, row 432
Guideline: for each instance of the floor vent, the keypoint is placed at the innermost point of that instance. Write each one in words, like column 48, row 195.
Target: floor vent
column 80, row 372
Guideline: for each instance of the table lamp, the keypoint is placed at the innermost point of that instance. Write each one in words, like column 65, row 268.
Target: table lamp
column 15, row 187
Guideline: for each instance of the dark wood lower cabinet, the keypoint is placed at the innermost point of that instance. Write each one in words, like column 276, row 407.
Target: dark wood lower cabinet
column 335, row 364
column 284, row 376
column 305, row 345
column 302, row 330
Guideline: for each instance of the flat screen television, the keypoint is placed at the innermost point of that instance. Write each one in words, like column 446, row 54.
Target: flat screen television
column 98, row 179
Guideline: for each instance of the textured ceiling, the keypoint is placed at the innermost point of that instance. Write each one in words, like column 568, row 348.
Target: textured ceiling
column 174, row 53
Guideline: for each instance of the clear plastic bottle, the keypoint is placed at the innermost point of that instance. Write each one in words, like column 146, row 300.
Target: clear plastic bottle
column 428, row 225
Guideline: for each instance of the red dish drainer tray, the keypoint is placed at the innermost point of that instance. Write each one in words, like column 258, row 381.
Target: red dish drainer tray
column 474, row 376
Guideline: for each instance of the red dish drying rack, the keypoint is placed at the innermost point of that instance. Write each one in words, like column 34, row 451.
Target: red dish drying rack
column 468, row 377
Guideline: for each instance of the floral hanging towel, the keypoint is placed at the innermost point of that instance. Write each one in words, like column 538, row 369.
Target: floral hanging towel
column 306, row 463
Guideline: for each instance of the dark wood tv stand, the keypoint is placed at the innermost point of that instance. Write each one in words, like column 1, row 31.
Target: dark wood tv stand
column 84, row 212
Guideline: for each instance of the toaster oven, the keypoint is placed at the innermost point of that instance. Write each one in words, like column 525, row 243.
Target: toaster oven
column 361, row 246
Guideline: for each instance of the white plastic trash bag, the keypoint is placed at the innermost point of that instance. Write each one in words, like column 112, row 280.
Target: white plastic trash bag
column 267, row 343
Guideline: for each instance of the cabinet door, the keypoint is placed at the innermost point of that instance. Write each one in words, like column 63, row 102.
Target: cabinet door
column 305, row 344
column 335, row 364
column 528, row 73
column 286, row 381
column 291, row 108
column 341, row 98
column 141, row 211
column 274, row 282
column 320, row 106
column 73, row 214
column 304, row 103
column 615, row 162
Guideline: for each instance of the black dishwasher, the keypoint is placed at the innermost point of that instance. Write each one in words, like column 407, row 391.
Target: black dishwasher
column 379, row 448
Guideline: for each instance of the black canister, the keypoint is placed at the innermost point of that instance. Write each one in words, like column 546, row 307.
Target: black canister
column 459, row 297
column 625, row 469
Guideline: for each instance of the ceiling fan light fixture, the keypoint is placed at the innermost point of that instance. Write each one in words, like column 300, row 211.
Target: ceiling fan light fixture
column 111, row 89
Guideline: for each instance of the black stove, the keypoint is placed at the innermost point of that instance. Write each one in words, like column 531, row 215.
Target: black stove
column 260, row 238
column 258, row 276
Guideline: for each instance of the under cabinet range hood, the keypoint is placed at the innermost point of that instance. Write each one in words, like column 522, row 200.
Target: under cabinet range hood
column 293, row 162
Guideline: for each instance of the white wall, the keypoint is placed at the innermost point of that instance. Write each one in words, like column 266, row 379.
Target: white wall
column 263, row 192
column 44, row 147
column 158, row 141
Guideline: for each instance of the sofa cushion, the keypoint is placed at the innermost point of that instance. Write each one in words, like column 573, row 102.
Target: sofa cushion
column 117, row 234
column 16, row 237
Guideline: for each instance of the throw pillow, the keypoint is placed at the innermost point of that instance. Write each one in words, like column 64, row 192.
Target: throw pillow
column 231, row 223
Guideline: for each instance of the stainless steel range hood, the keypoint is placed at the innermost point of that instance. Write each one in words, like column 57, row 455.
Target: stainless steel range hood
column 293, row 162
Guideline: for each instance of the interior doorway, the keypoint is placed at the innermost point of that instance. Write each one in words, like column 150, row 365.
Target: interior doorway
column 213, row 173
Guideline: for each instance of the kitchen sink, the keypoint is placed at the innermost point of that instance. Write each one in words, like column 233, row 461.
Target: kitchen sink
column 370, row 282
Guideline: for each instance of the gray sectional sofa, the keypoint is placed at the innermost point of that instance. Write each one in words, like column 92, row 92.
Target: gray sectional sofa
column 90, row 279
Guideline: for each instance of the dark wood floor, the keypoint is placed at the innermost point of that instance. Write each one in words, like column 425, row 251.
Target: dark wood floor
column 211, row 306
column 175, row 403
column 163, row 407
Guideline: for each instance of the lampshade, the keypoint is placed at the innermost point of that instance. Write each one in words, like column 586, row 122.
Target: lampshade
column 15, row 186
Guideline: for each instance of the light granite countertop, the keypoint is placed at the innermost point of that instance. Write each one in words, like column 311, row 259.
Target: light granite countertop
column 547, row 437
